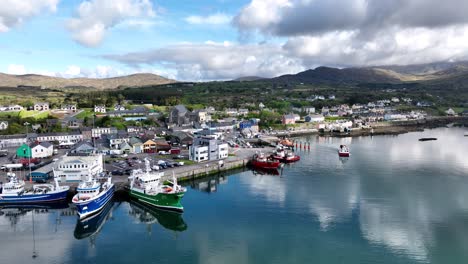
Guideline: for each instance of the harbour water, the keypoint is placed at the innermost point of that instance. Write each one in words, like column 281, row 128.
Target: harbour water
column 395, row 200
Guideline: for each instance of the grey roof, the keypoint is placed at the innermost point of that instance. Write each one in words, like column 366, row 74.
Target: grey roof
column 181, row 109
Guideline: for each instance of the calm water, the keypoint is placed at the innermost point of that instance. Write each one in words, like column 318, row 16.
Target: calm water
column 395, row 200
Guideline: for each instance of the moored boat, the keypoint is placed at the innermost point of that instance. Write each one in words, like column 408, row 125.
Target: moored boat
column 262, row 161
column 343, row 151
column 93, row 224
column 148, row 187
column 282, row 155
column 92, row 196
column 15, row 192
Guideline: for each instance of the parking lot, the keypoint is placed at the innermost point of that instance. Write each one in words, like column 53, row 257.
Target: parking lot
column 119, row 165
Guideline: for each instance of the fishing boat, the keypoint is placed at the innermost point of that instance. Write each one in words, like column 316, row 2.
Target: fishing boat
column 284, row 156
column 260, row 160
column 427, row 139
column 148, row 187
column 15, row 192
column 92, row 196
column 343, row 151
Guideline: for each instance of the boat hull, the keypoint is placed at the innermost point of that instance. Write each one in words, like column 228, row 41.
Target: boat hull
column 94, row 205
column 265, row 164
column 288, row 159
column 167, row 201
column 49, row 197
column 343, row 154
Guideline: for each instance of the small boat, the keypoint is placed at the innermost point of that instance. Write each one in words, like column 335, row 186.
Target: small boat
column 284, row 156
column 427, row 139
column 287, row 143
column 148, row 187
column 343, row 151
column 14, row 192
column 264, row 162
column 92, row 196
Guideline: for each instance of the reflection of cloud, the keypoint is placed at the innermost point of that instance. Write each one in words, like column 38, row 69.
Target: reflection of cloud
column 379, row 225
column 236, row 252
column 268, row 186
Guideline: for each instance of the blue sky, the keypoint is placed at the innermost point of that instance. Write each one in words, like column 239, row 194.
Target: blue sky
column 223, row 39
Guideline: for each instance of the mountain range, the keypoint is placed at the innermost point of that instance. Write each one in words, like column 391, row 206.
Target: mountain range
column 453, row 74
column 134, row 80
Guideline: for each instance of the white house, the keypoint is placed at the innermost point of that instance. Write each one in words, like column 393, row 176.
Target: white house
column 70, row 107
column 41, row 106
column 314, row 118
column 223, row 150
column 42, row 150
column 77, row 168
column 119, row 108
column 243, row 111
column 3, row 125
column 231, row 112
column 450, row 112
column 11, row 108
column 100, row 109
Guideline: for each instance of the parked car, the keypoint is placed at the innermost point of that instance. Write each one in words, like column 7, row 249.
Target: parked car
column 117, row 172
column 134, row 158
column 162, row 152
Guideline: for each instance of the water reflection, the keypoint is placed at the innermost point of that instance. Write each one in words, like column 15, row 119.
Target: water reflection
column 149, row 215
column 209, row 184
column 91, row 226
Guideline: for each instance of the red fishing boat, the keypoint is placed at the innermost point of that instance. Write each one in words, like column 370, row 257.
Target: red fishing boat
column 264, row 162
column 343, row 151
column 284, row 156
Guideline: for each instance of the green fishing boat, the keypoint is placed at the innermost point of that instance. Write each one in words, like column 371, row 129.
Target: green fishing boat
column 147, row 187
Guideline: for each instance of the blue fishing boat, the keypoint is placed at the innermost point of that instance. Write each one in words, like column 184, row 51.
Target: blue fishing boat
column 92, row 196
column 15, row 192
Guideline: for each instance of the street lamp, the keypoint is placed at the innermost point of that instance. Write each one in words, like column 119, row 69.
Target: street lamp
column 30, row 150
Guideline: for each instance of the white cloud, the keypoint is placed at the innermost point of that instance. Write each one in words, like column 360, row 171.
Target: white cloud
column 214, row 19
column 216, row 61
column 361, row 32
column 95, row 17
column 16, row 69
column 15, row 12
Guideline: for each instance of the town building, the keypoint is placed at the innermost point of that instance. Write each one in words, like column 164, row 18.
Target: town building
column 99, row 131
column 12, row 140
column 207, row 148
column 450, row 112
column 63, row 138
column 74, row 168
column 290, row 119
column 179, row 115
column 42, row 149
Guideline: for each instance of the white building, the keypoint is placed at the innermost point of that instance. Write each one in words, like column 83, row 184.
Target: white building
column 314, row 118
column 208, row 148
column 71, row 107
column 41, row 106
column 65, row 137
column 3, row 125
column 100, row 109
column 42, row 150
column 451, row 112
column 99, row 131
column 77, row 168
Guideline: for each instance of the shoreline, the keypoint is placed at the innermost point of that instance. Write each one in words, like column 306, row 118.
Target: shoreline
column 390, row 128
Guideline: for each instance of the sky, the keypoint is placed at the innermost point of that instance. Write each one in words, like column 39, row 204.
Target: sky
column 205, row 40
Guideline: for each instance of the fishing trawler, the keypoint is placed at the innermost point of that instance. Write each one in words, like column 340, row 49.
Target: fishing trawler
column 92, row 196
column 260, row 160
column 15, row 192
column 148, row 187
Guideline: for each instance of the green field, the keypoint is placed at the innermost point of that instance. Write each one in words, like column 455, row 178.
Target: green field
column 37, row 115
